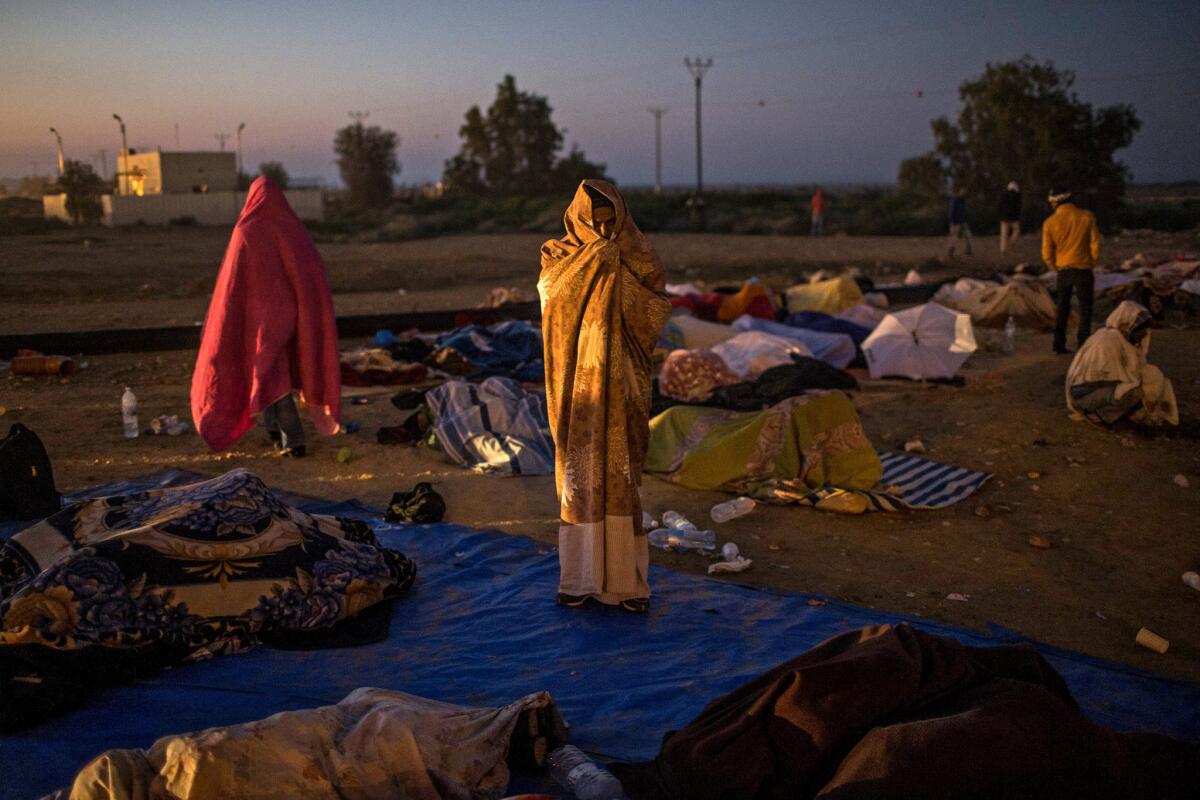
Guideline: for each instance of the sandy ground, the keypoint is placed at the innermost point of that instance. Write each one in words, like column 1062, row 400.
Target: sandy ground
column 1122, row 530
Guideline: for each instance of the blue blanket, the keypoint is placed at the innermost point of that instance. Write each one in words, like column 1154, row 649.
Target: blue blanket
column 818, row 321
column 480, row 627
column 512, row 348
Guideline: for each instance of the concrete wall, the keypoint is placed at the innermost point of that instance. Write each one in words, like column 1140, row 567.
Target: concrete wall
column 213, row 208
column 160, row 172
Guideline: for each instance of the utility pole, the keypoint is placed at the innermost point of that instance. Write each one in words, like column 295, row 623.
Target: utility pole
column 176, row 137
column 123, row 176
column 657, row 112
column 221, row 137
column 698, row 67
column 62, row 161
column 237, row 137
column 359, row 116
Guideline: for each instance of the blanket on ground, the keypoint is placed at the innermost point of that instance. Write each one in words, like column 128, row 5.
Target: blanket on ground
column 831, row 296
column 893, row 712
column 512, row 348
column 111, row 587
column 493, row 426
column 806, row 442
column 270, row 326
column 835, row 349
column 373, row 745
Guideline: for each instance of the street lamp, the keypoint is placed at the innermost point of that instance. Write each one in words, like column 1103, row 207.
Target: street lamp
column 696, row 203
column 123, row 188
column 62, row 162
column 238, row 143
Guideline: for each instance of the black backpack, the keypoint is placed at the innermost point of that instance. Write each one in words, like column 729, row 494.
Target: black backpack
column 26, row 480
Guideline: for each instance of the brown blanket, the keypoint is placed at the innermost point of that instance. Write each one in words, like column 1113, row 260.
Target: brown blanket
column 893, row 712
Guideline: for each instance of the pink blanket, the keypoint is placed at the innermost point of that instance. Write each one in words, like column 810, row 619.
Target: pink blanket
column 270, row 327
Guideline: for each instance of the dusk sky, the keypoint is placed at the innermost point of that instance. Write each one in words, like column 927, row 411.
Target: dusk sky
column 798, row 92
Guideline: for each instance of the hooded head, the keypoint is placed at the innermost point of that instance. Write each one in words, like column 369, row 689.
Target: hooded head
column 1131, row 319
column 1013, row 187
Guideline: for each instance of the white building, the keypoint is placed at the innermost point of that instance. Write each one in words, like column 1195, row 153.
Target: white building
column 159, row 187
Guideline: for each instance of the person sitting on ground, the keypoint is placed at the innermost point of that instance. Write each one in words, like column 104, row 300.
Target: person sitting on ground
column 1110, row 379
column 270, row 329
column 603, row 305
column 1071, row 246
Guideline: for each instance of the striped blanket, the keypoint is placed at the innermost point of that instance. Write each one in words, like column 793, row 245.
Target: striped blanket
column 909, row 482
column 493, row 426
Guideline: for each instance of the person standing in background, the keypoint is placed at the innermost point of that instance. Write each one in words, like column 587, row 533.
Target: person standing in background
column 1009, row 212
column 818, row 212
column 958, row 223
column 1071, row 247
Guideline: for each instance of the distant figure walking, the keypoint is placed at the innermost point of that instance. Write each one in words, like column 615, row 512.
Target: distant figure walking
column 958, row 223
column 818, row 212
column 270, row 329
column 1071, row 247
column 603, row 307
column 1009, row 212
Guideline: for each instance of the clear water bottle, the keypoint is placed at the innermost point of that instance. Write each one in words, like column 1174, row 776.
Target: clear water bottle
column 129, row 413
column 732, row 509
column 677, row 521
column 659, row 537
column 1010, row 336
column 586, row 779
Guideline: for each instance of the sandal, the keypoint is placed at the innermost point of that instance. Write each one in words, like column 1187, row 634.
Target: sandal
column 636, row 605
column 570, row 600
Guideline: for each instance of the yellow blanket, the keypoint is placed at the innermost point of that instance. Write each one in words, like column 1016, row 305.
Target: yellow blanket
column 811, row 441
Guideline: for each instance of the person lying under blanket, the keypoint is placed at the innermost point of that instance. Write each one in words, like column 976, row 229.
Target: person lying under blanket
column 111, row 589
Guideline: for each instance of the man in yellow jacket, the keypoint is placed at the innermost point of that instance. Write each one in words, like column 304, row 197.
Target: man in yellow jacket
column 1071, row 247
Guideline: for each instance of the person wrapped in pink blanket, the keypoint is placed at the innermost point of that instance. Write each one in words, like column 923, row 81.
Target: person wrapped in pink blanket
column 270, row 330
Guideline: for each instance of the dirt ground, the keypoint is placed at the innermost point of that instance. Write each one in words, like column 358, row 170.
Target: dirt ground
column 1122, row 531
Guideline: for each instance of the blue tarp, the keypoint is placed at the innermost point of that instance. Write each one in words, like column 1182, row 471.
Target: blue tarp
column 480, row 628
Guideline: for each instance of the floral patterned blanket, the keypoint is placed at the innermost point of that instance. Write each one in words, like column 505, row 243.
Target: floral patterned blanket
column 186, row 572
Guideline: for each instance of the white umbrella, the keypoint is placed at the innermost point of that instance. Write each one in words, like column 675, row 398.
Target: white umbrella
column 928, row 341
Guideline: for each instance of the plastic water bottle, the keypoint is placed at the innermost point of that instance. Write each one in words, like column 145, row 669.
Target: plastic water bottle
column 732, row 509
column 587, row 780
column 129, row 413
column 1010, row 336
column 676, row 521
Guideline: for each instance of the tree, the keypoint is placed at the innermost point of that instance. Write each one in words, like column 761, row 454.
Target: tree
column 1021, row 121
column 367, row 162
column 83, row 188
column 275, row 172
column 922, row 176
column 513, row 148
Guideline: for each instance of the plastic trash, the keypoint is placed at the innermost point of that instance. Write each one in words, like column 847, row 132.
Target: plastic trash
column 1192, row 579
column 687, row 539
column 574, row 771
column 1010, row 336
column 729, row 551
column 677, row 521
column 345, row 455
column 738, row 564
column 129, row 413
column 732, row 509
column 1152, row 641
column 649, row 523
